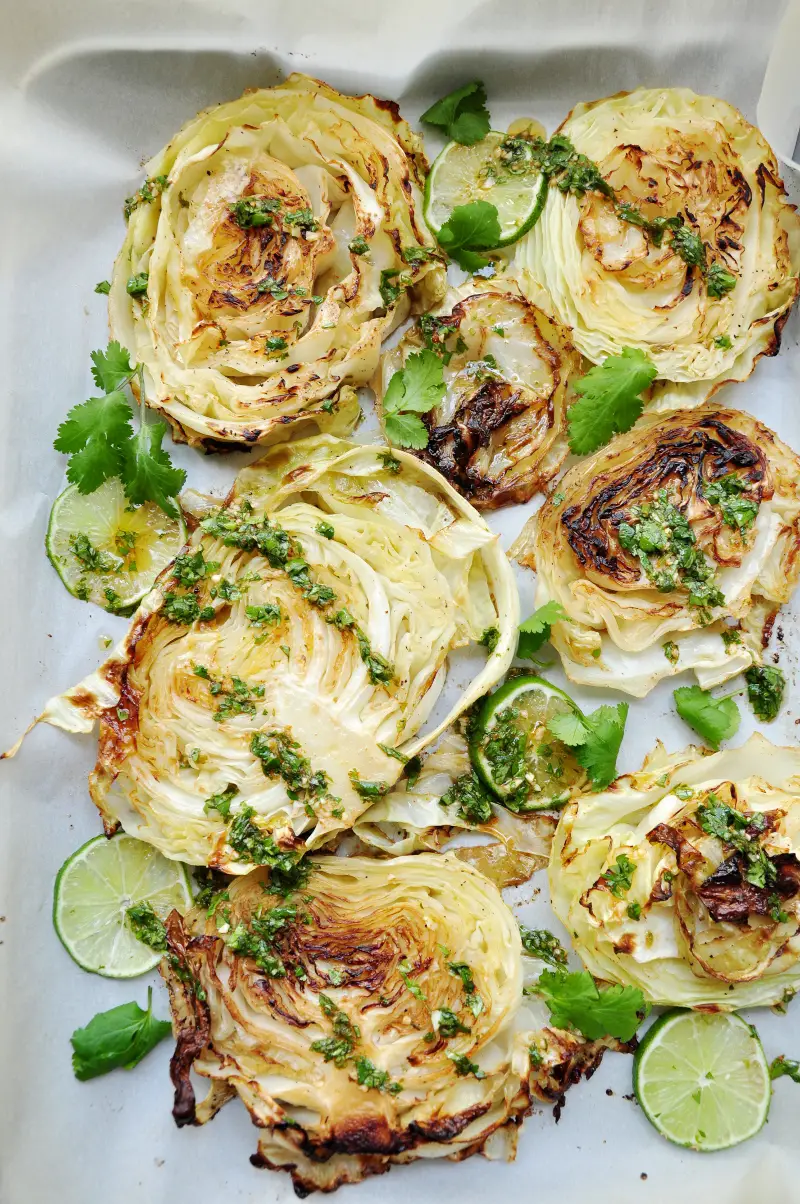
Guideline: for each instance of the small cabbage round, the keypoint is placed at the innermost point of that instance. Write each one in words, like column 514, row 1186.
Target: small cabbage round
column 705, row 935
column 278, row 238
column 623, row 631
column 335, row 647
column 498, row 434
column 670, row 153
column 368, row 959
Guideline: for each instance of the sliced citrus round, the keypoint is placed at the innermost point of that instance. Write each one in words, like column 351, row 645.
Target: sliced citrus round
column 513, row 752
column 95, row 888
column 107, row 551
column 498, row 169
column 702, row 1079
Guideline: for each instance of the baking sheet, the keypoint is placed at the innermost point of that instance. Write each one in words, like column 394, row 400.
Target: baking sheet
column 88, row 91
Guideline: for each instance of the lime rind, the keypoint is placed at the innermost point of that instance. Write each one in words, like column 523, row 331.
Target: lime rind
column 93, row 890
column 105, row 517
column 454, row 180
column 702, row 1079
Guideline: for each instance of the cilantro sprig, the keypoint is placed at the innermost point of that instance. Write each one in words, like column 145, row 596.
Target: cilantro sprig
column 416, row 389
column 120, row 1037
column 535, row 631
column 575, row 1001
column 713, row 719
column 610, row 399
column 594, row 739
column 469, row 230
column 98, row 437
column 462, row 114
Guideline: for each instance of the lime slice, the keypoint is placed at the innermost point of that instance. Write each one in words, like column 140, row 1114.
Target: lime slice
column 104, row 550
column 93, row 891
column 702, row 1079
column 514, row 754
column 463, row 174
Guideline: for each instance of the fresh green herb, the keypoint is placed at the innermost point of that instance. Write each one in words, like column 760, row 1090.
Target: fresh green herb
column 151, row 188
column 393, row 752
column 463, row 1066
column 619, row 877
column 359, row 246
column 392, row 284
column 689, row 246
column 469, row 230
column 368, row 1075
column 120, row 1037
column 275, row 343
column 404, row 969
column 146, row 926
column 462, row 114
column 268, row 615
column 136, row 286
column 471, row 997
column 781, row 1066
column 472, row 799
column 90, row 557
column 302, row 220
column 390, row 462
column 288, row 872
column 777, row 914
column 249, row 212
column 666, row 547
column 412, row 772
column 248, row 944
column 737, row 511
column 185, row 609
column 221, row 802
column 339, row 1047
column 490, row 638
column 731, row 636
column 276, row 288
column 634, row 911
column 368, row 789
column 210, row 884
column 416, row 389
column 610, row 399
column 103, row 287
column 435, row 331
column 713, row 719
column 191, row 567
column 575, row 1001
column 282, row 757
column 765, row 687
column 535, row 631
column 415, row 255
column 723, row 342
column 227, row 590
column 325, row 529
column 719, row 280
column 594, row 739
column 538, row 942
column 740, row 831
column 672, row 652
column 447, row 1024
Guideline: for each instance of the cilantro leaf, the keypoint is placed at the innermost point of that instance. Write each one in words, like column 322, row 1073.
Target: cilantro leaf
column 103, row 287
column 407, row 430
column 416, row 389
column 468, row 230
column 610, row 400
column 594, row 739
column 93, row 435
column 419, row 386
column 535, row 631
column 119, row 1037
column 575, row 1001
column 462, row 114
column 713, row 719
column 112, row 368
column 148, row 473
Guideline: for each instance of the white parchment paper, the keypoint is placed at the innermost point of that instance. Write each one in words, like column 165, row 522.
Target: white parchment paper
column 88, row 91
